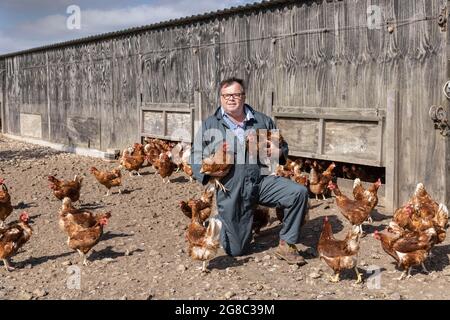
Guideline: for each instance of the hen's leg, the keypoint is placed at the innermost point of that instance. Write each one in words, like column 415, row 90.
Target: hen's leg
column 204, row 267
column 2, row 223
column 120, row 191
column 369, row 219
column 83, row 256
column 221, row 186
column 323, row 197
column 317, row 197
column 138, row 174
column 358, row 275
column 425, row 269
column 409, row 273
column 8, row 266
column 191, row 179
column 131, row 174
column 402, row 276
column 107, row 193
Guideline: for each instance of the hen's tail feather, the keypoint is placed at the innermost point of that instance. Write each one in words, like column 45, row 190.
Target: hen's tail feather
column 442, row 214
column 214, row 228
column 356, row 183
column 443, row 210
column 419, row 188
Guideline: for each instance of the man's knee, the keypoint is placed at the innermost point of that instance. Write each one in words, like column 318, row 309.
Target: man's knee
column 298, row 191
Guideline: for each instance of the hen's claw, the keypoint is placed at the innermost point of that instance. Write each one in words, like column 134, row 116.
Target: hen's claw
column 358, row 275
column 334, row 278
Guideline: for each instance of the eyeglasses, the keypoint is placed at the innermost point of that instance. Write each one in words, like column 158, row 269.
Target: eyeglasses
column 228, row 96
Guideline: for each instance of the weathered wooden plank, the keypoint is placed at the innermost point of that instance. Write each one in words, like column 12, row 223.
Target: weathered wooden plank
column 176, row 107
column 2, row 94
column 84, row 132
column 206, row 66
column 301, row 135
column 339, row 158
column 125, row 98
column 14, row 95
column 58, row 127
column 153, row 122
column 321, row 139
column 172, row 67
column 353, row 140
column 346, row 117
column 178, row 110
column 260, row 61
column 47, row 97
column 447, row 103
column 392, row 200
column 330, row 111
column 31, row 125
column 178, row 125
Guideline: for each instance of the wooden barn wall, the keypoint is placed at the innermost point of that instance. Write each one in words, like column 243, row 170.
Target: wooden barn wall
column 124, row 117
column 350, row 66
column 2, row 92
column 95, row 90
column 447, row 104
column 167, row 66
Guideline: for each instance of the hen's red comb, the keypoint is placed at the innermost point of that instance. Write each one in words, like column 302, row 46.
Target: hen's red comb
column 24, row 215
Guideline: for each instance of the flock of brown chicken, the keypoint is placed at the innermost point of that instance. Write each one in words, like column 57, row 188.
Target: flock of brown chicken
column 84, row 228
column 414, row 230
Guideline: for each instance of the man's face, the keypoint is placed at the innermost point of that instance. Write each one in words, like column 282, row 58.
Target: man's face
column 232, row 99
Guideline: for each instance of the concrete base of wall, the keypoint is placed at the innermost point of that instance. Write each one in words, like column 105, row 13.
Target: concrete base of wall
column 65, row 148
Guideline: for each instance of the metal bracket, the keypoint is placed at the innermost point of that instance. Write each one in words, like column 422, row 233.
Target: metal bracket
column 446, row 90
column 442, row 19
column 439, row 117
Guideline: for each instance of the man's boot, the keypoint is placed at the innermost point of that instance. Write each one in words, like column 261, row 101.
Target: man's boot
column 289, row 252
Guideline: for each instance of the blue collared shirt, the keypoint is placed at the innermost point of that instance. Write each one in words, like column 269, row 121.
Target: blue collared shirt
column 237, row 129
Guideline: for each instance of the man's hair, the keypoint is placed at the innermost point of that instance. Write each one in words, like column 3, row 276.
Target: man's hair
column 230, row 81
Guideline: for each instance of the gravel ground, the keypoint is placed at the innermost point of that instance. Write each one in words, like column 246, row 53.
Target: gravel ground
column 142, row 254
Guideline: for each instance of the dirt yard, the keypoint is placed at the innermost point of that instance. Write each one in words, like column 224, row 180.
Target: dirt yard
column 142, row 254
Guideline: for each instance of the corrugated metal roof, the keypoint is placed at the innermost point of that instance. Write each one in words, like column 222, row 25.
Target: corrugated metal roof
column 165, row 24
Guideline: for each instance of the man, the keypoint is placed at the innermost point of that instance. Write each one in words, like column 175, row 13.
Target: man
column 247, row 183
